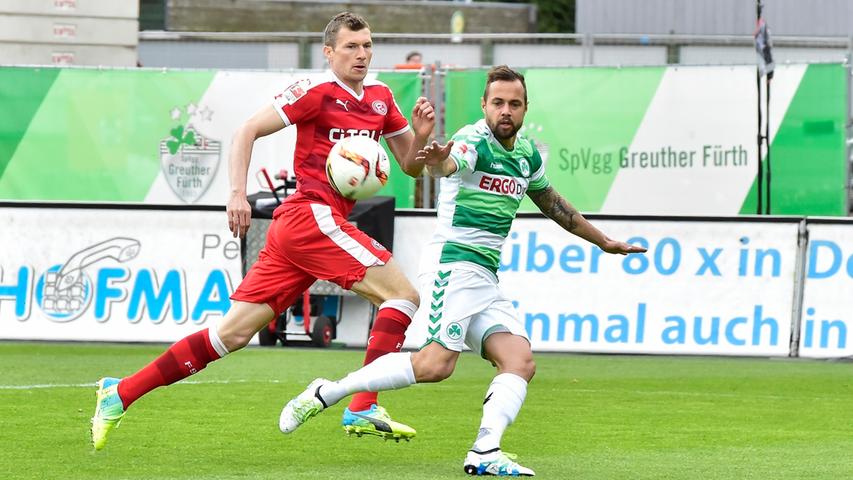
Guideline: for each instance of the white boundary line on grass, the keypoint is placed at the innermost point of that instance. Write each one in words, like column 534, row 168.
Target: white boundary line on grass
column 576, row 390
column 94, row 384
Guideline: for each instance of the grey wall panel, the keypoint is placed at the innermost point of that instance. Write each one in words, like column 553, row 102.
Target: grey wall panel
column 68, row 30
column 628, row 55
column 719, row 55
column 76, row 8
column 714, row 55
column 808, row 55
column 811, row 17
column 84, row 55
column 189, row 54
column 282, row 55
column 532, row 55
column 714, row 17
column 386, row 55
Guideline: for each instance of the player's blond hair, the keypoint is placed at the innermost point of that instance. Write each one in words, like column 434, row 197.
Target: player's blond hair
column 352, row 21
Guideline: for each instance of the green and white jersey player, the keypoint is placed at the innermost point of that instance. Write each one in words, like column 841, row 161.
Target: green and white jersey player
column 486, row 170
column 483, row 184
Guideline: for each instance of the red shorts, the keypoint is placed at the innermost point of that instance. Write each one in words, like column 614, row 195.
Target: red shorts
column 305, row 242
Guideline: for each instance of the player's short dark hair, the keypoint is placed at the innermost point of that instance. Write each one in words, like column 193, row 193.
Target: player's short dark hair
column 352, row 21
column 412, row 54
column 502, row 73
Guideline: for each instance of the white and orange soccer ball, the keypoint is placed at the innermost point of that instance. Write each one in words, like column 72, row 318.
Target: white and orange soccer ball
column 357, row 167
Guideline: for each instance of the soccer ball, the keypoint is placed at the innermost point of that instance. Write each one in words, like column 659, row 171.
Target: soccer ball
column 357, row 167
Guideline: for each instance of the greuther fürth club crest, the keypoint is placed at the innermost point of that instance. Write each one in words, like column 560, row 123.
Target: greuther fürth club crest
column 188, row 159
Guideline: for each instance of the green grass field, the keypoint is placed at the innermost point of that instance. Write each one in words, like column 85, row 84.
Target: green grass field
column 586, row 417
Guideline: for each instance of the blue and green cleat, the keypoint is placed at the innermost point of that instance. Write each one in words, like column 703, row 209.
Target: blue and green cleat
column 376, row 421
column 108, row 411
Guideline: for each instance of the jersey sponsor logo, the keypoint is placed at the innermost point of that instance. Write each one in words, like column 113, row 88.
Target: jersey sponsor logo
column 379, row 107
column 295, row 91
column 507, row 186
column 338, row 134
column 496, row 166
column 342, row 103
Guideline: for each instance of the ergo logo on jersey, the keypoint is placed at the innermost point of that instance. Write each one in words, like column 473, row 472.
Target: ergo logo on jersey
column 506, row 186
column 338, row 134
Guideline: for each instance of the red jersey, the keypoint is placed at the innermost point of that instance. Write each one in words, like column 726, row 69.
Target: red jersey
column 324, row 111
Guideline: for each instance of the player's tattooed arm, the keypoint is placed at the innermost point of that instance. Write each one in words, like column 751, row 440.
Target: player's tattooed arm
column 555, row 207
column 558, row 209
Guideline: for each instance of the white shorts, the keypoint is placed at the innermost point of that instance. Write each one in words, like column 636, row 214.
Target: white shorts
column 465, row 307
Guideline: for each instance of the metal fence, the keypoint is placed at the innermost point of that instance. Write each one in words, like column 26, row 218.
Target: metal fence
column 258, row 50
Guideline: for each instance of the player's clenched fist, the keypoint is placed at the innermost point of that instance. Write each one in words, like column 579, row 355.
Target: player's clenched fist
column 423, row 117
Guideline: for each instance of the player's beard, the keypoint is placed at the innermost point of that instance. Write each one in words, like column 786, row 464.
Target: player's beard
column 501, row 132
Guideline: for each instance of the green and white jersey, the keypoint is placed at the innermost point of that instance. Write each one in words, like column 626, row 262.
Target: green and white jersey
column 477, row 203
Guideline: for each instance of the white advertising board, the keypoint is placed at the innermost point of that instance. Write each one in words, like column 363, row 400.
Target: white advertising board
column 114, row 274
column 704, row 287
column 826, row 326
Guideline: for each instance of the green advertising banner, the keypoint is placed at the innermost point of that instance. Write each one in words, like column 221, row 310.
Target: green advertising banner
column 407, row 88
column 130, row 135
column 679, row 140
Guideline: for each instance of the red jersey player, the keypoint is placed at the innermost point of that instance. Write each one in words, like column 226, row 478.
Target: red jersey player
column 309, row 237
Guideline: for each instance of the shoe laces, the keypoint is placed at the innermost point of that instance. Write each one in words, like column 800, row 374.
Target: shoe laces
column 306, row 409
column 381, row 413
column 111, row 407
column 506, row 460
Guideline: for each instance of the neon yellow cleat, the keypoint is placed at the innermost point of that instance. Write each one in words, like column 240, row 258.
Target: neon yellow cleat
column 108, row 411
column 377, row 422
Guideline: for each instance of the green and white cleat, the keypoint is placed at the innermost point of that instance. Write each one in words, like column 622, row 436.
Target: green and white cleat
column 108, row 411
column 304, row 406
column 495, row 463
column 376, row 421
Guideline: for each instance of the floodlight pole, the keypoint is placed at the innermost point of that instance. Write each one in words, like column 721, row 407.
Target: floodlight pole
column 767, row 139
column 759, row 179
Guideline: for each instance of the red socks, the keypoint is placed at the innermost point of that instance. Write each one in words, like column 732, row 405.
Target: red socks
column 184, row 358
column 386, row 336
column 192, row 354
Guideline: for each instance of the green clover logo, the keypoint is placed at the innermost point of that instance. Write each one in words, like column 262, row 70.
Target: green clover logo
column 179, row 138
column 454, row 331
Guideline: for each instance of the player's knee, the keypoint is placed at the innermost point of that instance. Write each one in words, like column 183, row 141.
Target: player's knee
column 411, row 295
column 436, row 373
column 430, row 368
column 528, row 369
column 234, row 341
column 523, row 366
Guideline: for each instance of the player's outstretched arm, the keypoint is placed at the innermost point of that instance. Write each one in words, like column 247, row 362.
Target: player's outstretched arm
column 262, row 123
column 436, row 157
column 405, row 147
column 557, row 208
